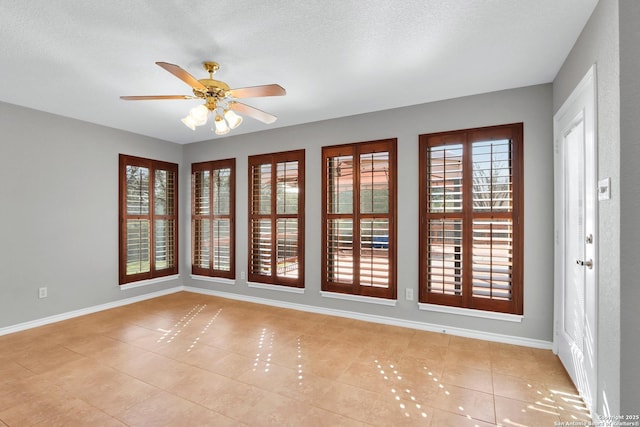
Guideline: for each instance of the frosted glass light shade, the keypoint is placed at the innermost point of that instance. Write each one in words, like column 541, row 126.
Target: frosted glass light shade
column 188, row 122
column 233, row 119
column 221, row 126
column 199, row 114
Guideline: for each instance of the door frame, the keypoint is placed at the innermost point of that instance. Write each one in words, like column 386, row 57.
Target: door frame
column 586, row 87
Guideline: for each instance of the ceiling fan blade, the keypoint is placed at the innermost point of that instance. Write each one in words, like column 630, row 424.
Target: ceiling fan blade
column 253, row 112
column 154, row 97
column 183, row 75
column 256, row 91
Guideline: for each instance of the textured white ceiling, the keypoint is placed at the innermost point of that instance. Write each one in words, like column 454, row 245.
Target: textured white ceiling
column 335, row 58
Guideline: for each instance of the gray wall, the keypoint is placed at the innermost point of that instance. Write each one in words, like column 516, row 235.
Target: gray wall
column 599, row 44
column 629, row 206
column 59, row 212
column 58, row 189
column 531, row 105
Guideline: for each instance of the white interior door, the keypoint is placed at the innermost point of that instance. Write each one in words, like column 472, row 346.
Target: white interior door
column 576, row 237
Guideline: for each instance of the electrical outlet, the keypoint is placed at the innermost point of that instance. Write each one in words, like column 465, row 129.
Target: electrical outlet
column 408, row 294
column 242, row 275
column 42, row 292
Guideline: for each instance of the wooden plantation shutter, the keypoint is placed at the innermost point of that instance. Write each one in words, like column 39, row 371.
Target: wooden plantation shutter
column 359, row 207
column 148, row 206
column 445, row 224
column 276, row 218
column 213, row 218
column 493, row 219
column 471, row 227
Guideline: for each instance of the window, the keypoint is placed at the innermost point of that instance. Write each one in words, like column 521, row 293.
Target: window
column 276, row 218
column 358, row 222
column 471, row 225
column 213, row 218
column 148, row 205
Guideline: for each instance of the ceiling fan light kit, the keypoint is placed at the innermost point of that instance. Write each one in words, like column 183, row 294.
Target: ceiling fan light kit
column 218, row 97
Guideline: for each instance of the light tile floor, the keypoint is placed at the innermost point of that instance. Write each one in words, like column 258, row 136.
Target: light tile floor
column 189, row 359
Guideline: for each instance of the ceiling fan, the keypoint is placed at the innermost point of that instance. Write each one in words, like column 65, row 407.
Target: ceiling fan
column 217, row 96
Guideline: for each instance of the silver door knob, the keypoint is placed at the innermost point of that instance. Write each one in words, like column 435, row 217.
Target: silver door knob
column 588, row 264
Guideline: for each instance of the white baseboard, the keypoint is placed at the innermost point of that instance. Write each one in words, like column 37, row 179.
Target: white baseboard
column 84, row 311
column 468, row 333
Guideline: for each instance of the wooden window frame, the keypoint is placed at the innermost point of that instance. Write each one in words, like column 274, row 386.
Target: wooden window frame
column 356, row 150
column 211, row 166
column 152, row 165
column 467, row 137
column 273, row 159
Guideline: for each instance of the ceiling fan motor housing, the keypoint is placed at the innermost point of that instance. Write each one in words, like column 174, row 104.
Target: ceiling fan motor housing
column 215, row 89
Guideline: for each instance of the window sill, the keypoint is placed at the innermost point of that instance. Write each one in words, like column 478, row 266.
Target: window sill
column 147, row 282
column 221, row 280
column 470, row 312
column 359, row 298
column 276, row 287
